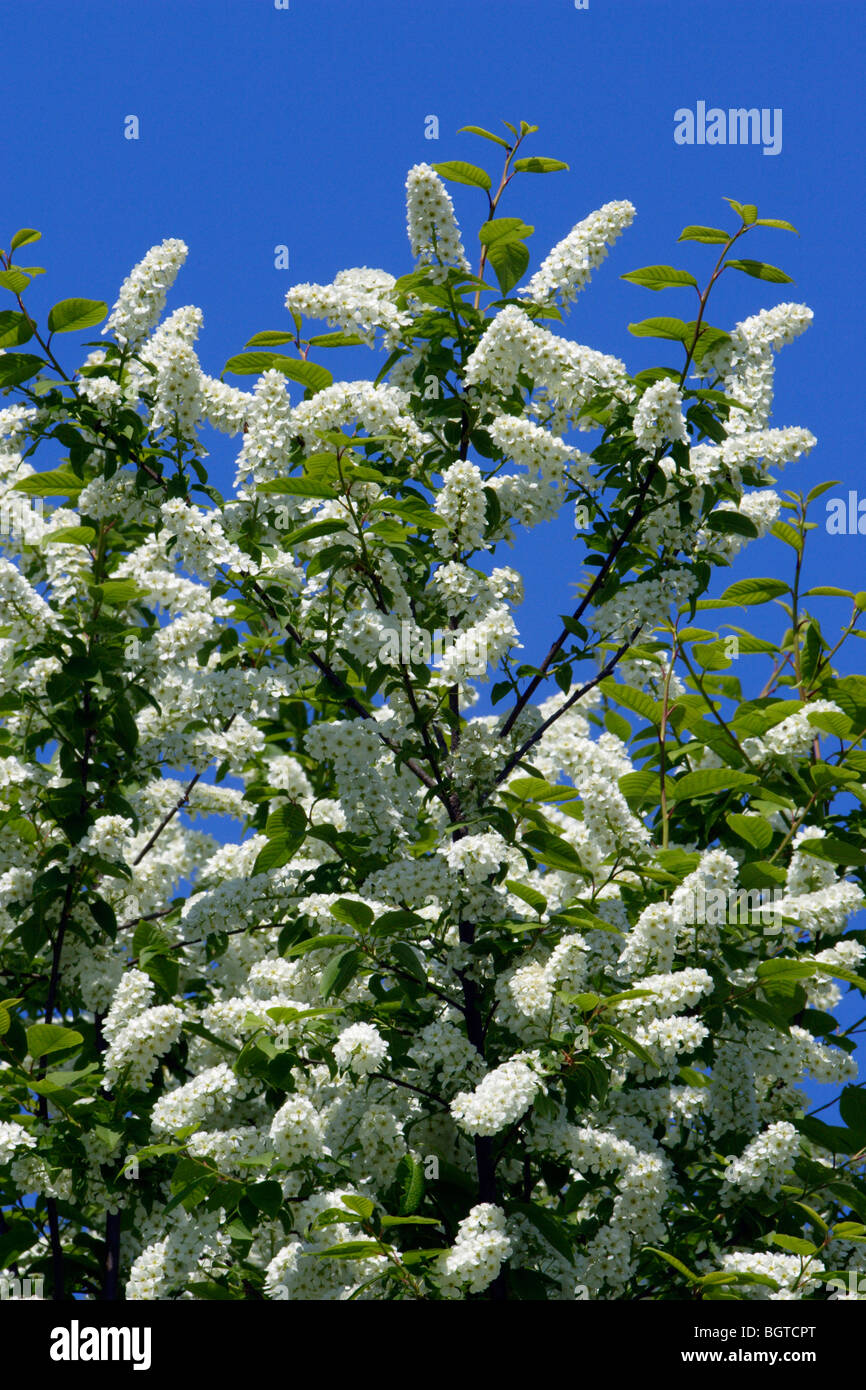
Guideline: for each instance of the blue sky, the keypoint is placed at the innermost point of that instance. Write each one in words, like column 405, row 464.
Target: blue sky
column 261, row 127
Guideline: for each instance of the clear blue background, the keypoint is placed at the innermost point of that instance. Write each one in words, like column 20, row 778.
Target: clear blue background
column 262, row 126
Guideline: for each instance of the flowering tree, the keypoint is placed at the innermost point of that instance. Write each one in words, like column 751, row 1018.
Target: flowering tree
column 454, row 1005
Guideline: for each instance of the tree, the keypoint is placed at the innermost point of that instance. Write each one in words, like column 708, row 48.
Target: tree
column 453, row 1005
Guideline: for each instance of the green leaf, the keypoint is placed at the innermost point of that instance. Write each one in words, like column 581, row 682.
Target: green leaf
column 72, row 535
column 537, row 901
column 162, row 969
column 16, row 367
column 709, row 339
column 148, row 936
column 630, row 1044
column 389, row 1221
column 297, row 487
column 15, row 328
column 635, row 700
column 410, row 1174
column 795, row 1245
column 210, row 1291
column 730, row 523
column 249, row 363
column 351, row 1250
column 711, row 780
column 277, row 852
column 554, row 851
column 287, row 820
column 398, row 919
column 852, row 1108
column 70, row 315
column 190, row 1184
column 538, row 789
column 308, row 374
column 24, row 237
column 43, row 1038
column 120, row 591
column 849, row 1230
column 458, row 171
column 357, row 915
column 759, row 270
column 673, row 329
column 782, row 967
column 404, row 954
column 833, row 850
column 270, row 338
column 507, row 228
column 775, row 222
column 738, row 208
column 690, row 1077
column 756, row 831
column 644, row 785
column 338, row 973
column 335, row 340
column 267, row 1197
column 318, row 943
column 673, row 1261
column 828, row 591
column 783, row 532
column 509, row 260
column 14, row 280
column 58, row 482
column 538, row 164
column 660, row 277
column 362, row 1206
column 749, row 592
column 486, row 134
column 707, row 234
column 5, row 1015
column 831, row 722
column 761, row 874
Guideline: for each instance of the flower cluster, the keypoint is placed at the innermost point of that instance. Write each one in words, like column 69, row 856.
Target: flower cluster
column 505, row 1094
column 568, row 267
column 433, row 231
column 658, row 419
column 142, row 295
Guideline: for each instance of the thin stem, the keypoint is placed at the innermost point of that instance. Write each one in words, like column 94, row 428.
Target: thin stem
column 557, row 714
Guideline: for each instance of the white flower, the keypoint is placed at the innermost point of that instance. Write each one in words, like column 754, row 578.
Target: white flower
column 476, row 1257
column 142, row 295
column 433, row 232
column 569, row 265
column 659, row 417
column 296, row 1130
column 763, row 1162
column 358, row 301
column 360, row 1048
column 462, row 505
column 14, row 1138
column 503, row 1096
